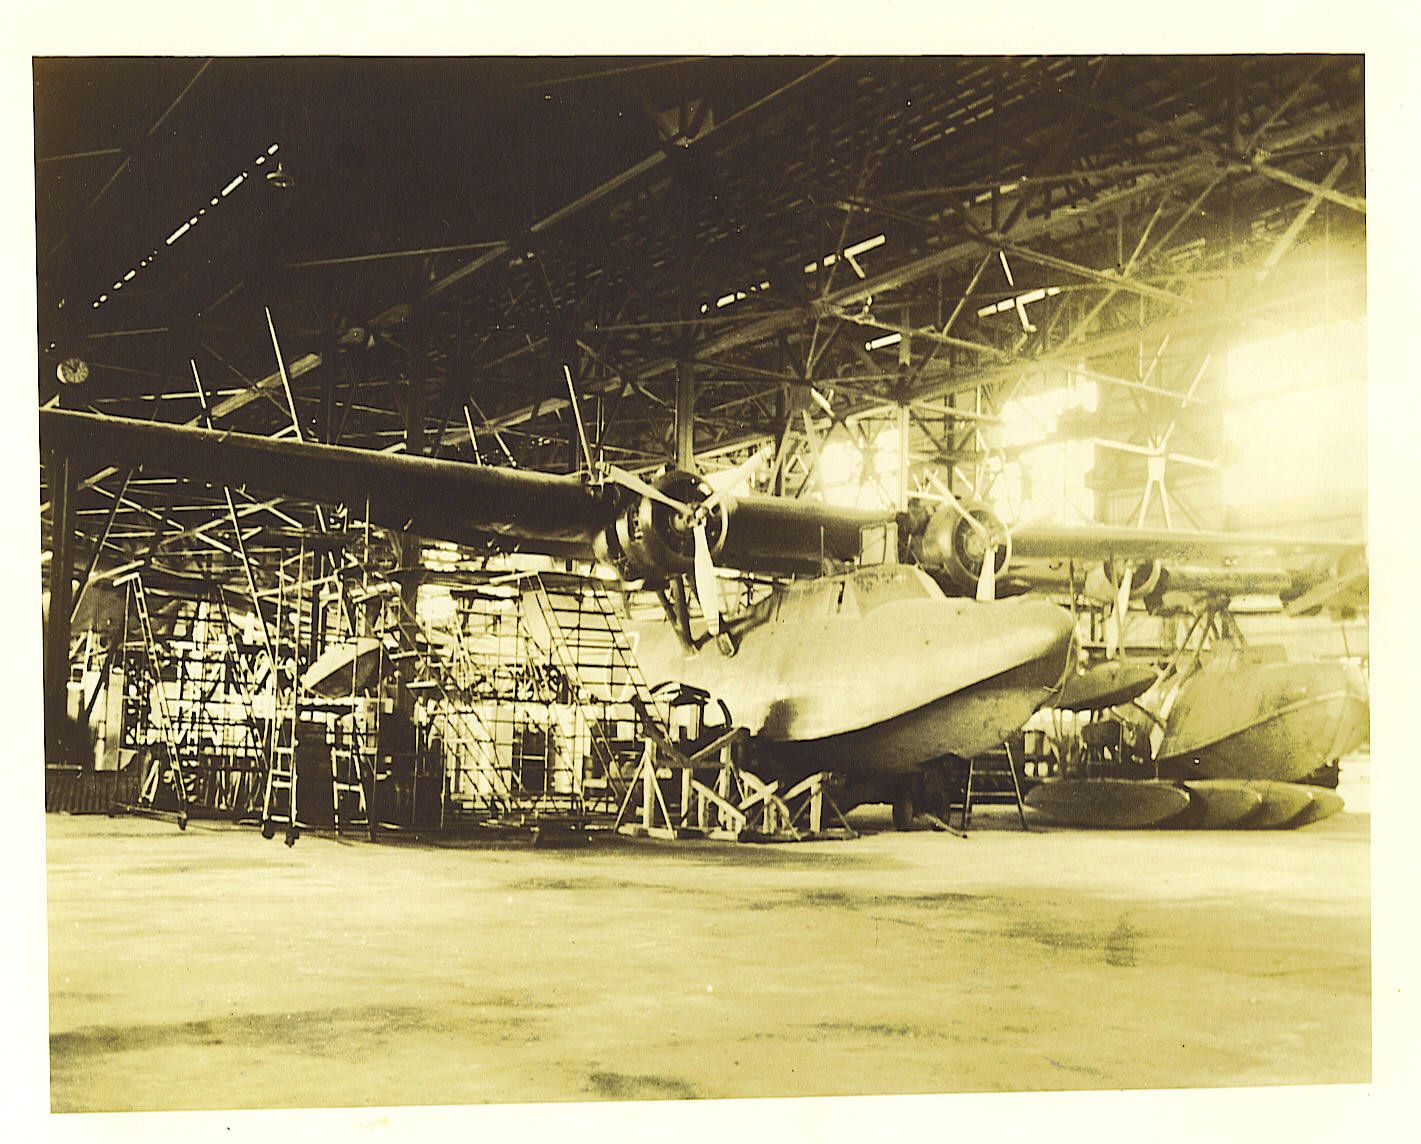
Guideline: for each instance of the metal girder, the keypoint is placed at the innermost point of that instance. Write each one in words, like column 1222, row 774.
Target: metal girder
column 1313, row 127
column 1139, row 386
column 1281, row 246
column 1251, row 161
column 397, row 312
column 1117, row 280
column 1295, row 228
column 760, row 329
column 756, row 331
column 927, row 333
column 129, row 153
column 1331, row 194
column 168, row 522
column 56, row 629
column 626, row 178
column 93, row 563
column 1058, row 150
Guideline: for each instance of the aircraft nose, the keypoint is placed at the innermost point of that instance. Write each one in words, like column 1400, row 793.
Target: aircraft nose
column 1031, row 638
column 1048, row 638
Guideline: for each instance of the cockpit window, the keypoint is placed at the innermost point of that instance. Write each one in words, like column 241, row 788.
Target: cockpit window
column 885, row 584
column 854, row 594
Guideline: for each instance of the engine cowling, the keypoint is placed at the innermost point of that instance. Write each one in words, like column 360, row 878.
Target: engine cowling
column 1149, row 580
column 953, row 549
column 650, row 541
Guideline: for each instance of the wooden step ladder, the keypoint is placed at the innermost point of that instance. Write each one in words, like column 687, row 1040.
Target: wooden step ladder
column 982, row 784
column 167, row 763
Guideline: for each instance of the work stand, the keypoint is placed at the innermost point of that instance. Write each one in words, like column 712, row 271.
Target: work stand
column 708, row 794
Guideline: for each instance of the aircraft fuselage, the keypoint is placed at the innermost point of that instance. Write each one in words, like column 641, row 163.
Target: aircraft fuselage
column 874, row 671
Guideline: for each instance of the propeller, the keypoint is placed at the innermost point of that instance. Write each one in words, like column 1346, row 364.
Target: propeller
column 987, row 576
column 693, row 517
column 603, row 471
column 734, row 479
column 707, row 586
column 1115, row 622
column 577, row 417
column 634, row 483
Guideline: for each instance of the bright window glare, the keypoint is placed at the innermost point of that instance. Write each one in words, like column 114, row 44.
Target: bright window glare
column 435, row 604
column 1296, row 423
column 848, row 476
column 1046, row 483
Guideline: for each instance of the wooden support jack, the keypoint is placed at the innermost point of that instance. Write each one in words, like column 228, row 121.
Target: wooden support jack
column 734, row 805
column 810, row 798
column 702, row 810
column 654, row 820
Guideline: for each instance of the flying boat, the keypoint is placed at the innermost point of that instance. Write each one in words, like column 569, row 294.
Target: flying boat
column 873, row 671
column 884, row 673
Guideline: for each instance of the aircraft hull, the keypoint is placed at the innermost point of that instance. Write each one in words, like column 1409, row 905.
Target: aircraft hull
column 911, row 683
column 1276, row 721
column 965, row 723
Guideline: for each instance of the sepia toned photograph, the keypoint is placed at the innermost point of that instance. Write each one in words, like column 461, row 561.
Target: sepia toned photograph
column 665, row 578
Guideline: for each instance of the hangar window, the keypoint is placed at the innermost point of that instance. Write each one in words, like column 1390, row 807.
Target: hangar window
column 1296, row 421
column 860, row 477
column 1029, row 477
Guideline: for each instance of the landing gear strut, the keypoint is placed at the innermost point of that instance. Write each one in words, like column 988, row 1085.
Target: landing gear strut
column 905, row 803
column 928, row 793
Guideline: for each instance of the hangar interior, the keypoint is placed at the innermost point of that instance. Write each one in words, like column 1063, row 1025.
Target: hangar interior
column 950, row 304
column 561, row 471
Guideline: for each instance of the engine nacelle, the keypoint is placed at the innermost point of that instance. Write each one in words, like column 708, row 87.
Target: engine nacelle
column 1149, row 580
column 651, row 541
column 953, row 548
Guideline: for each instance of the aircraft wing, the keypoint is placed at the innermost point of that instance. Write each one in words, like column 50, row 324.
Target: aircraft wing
column 435, row 498
column 1310, row 574
column 1110, row 542
column 514, row 509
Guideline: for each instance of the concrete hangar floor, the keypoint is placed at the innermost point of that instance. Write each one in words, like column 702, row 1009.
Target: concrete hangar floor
column 214, row 970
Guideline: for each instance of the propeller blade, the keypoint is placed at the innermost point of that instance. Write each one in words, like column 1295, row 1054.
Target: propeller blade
column 987, row 578
column 946, row 495
column 637, row 485
column 707, row 587
column 736, row 477
column 1115, row 622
